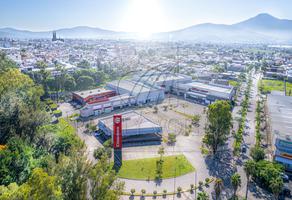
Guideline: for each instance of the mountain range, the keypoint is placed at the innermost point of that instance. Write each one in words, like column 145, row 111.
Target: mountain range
column 262, row 28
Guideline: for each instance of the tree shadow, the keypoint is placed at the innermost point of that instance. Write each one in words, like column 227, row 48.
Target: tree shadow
column 220, row 166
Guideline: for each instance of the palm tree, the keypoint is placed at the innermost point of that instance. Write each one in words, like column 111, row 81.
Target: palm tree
column 249, row 168
column 218, row 186
column 203, row 196
column 236, row 182
column 276, row 186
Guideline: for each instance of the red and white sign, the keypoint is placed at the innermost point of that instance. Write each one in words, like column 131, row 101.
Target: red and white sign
column 117, row 128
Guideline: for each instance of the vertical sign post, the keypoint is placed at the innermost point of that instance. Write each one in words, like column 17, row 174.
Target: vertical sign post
column 117, row 141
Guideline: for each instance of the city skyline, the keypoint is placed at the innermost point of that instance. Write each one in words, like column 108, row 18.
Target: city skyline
column 133, row 15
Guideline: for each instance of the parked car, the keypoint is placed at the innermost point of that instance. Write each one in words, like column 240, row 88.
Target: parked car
column 285, row 177
column 243, row 149
column 286, row 191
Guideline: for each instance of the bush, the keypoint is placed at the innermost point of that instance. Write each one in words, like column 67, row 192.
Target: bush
column 207, row 180
column 143, row 191
column 99, row 152
column 257, row 153
column 57, row 113
column 171, row 138
column 201, row 184
column 154, row 192
column 164, row 191
column 179, row 189
column 49, row 101
column 53, row 106
column 192, row 186
column 133, row 191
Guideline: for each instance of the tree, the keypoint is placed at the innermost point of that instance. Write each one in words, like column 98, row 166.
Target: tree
column 276, row 186
column 15, row 162
column 196, row 120
column 161, row 152
column 84, row 82
column 73, row 173
column 202, row 196
column 69, row 83
column 171, row 138
column 236, row 182
column 43, row 186
column 218, row 186
column 61, row 145
column 104, row 183
column 249, row 168
column 83, row 64
column 257, row 153
column 44, row 74
column 218, row 124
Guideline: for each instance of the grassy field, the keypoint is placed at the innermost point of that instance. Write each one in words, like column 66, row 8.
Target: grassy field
column 275, row 85
column 233, row 83
column 143, row 169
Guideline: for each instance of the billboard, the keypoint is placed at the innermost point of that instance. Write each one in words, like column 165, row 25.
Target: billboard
column 117, row 131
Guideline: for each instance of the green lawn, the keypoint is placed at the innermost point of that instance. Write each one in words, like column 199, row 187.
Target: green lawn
column 272, row 85
column 233, row 83
column 173, row 166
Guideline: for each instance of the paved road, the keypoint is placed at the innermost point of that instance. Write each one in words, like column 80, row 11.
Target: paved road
column 249, row 140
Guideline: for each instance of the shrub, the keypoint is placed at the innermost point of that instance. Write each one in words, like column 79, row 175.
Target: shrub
column 171, row 138
column 164, row 191
column 133, row 191
column 192, row 186
column 207, row 180
column 201, row 184
column 99, row 152
column 143, row 191
column 53, row 106
column 257, row 153
column 179, row 189
column 154, row 192
column 57, row 113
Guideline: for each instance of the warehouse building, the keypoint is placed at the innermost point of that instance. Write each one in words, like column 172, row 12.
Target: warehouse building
column 107, row 106
column 204, row 92
column 92, row 96
column 143, row 93
column 280, row 126
column 165, row 80
column 135, row 128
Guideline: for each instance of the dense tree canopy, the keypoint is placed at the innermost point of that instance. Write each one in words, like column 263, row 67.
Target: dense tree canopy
column 218, row 124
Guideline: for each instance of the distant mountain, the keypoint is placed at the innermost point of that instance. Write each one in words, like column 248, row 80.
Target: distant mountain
column 75, row 32
column 266, row 22
column 262, row 28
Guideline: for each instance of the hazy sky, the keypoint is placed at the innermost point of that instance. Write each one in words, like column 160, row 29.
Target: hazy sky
column 133, row 15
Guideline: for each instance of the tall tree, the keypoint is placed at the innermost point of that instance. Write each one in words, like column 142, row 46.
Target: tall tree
column 218, row 187
column 73, row 173
column 85, row 82
column 104, row 183
column 236, row 183
column 218, row 124
column 249, row 168
column 276, row 186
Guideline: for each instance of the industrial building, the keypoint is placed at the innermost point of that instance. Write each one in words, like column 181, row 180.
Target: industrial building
column 135, row 127
column 204, row 92
column 110, row 104
column 165, row 80
column 92, row 96
column 143, row 93
column 280, row 126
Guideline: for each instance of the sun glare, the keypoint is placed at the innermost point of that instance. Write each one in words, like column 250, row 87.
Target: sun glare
column 144, row 17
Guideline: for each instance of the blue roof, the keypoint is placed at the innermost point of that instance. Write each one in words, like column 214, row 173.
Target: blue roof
column 283, row 160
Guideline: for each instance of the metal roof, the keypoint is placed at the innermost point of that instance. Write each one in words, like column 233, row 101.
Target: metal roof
column 280, row 112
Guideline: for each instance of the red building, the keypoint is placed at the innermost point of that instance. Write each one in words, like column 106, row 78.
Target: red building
column 93, row 96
